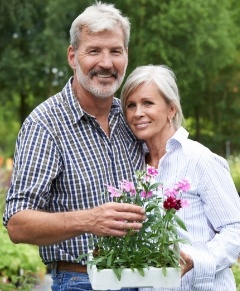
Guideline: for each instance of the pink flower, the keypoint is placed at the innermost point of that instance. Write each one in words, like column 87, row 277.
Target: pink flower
column 145, row 194
column 114, row 192
column 184, row 203
column 183, row 185
column 151, row 171
column 128, row 187
column 171, row 192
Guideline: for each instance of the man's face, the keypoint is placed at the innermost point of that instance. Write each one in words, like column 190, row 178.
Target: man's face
column 101, row 62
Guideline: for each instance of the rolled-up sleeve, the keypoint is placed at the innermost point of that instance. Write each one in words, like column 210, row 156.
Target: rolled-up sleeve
column 36, row 164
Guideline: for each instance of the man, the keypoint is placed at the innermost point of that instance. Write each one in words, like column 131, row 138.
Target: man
column 70, row 147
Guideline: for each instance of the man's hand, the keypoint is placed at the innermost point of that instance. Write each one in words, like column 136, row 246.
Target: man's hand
column 43, row 228
column 113, row 219
column 186, row 263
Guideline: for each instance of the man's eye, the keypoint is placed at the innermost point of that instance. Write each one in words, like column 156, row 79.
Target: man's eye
column 93, row 52
column 116, row 52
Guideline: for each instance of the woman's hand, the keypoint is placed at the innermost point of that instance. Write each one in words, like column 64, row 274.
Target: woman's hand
column 186, row 263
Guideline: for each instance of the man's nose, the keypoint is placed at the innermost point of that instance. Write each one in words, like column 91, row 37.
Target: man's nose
column 106, row 60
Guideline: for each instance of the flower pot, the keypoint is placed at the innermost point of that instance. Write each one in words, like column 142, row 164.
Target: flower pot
column 106, row 279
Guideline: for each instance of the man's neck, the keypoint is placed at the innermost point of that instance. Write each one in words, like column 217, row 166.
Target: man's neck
column 94, row 106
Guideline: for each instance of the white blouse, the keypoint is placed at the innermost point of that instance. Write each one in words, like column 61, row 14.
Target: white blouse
column 212, row 218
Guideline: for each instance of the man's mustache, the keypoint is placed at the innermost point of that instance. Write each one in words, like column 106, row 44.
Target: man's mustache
column 104, row 73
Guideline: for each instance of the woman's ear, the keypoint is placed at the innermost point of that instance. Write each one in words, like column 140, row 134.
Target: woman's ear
column 172, row 111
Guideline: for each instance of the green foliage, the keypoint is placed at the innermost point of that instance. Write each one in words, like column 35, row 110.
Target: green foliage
column 236, row 272
column 20, row 265
column 156, row 244
column 234, row 163
column 7, row 142
column 25, row 69
column 197, row 39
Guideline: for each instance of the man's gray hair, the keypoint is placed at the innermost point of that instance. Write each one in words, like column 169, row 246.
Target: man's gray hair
column 99, row 17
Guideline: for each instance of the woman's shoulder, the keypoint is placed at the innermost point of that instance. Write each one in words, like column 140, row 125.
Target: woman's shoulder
column 204, row 154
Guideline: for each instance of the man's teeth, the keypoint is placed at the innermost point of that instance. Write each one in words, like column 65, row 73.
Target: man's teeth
column 104, row 76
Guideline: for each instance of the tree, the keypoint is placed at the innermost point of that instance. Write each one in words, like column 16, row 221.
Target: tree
column 197, row 39
column 23, row 53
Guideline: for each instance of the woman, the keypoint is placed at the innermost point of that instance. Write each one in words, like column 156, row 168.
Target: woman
column 151, row 104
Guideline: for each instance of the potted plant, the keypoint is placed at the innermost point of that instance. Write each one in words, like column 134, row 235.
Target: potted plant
column 151, row 256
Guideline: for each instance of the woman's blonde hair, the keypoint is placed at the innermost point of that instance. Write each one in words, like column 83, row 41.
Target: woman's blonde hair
column 165, row 80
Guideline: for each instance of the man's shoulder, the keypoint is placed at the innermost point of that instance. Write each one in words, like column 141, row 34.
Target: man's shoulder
column 50, row 107
column 54, row 106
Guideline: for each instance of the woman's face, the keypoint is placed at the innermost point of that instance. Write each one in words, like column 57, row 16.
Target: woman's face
column 147, row 112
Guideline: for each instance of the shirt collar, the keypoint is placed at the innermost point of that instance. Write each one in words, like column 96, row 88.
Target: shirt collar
column 76, row 111
column 178, row 139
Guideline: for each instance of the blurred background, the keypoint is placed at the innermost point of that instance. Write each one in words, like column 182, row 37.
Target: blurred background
column 199, row 40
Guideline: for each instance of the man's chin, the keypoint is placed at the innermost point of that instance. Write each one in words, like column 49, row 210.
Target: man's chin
column 104, row 95
column 105, row 91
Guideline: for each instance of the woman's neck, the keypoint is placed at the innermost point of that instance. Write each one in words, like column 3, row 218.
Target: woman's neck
column 154, row 155
column 157, row 149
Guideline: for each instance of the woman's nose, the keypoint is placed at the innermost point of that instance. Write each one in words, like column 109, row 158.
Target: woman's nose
column 139, row 111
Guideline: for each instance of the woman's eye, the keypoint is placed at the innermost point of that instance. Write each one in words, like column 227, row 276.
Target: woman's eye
column 130, row 106
column 147, row 103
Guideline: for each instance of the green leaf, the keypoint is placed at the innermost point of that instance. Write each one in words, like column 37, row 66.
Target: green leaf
column 180, row 222
column 164, row 271
column 141, row 271
column 118, row 272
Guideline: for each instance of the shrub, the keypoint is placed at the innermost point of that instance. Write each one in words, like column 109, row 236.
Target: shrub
column 20, row 266
column 236, row 272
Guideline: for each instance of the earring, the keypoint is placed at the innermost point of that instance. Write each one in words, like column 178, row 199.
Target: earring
column 170, row 122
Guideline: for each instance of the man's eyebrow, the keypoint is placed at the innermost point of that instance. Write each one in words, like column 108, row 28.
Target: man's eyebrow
column 119, row 47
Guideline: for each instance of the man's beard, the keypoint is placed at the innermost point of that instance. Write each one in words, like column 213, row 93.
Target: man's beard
column 99, row 90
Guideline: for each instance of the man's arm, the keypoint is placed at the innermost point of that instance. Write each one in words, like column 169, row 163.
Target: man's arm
column 42, row 228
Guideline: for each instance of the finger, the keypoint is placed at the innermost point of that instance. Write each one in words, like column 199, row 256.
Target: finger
column 129, row 217
column 113, row 212
column 124, row 225
column 126, row 207
column 115, row 228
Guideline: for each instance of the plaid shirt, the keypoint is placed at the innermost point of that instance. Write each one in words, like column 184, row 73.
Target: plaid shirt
column 63, row 160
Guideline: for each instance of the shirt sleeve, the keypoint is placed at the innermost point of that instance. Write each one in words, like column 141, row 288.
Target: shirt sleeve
column 222, row 208
column 203, row 273
column 36, row 164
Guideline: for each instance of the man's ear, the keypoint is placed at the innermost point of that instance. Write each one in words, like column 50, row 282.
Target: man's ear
column 71, row 57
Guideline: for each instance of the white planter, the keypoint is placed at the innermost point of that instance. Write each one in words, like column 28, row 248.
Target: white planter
column 153, row 278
